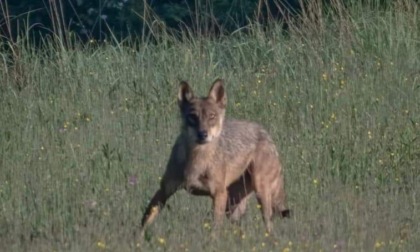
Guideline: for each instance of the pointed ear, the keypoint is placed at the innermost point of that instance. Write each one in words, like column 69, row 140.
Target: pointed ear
column 185, row 93
column 217, row 93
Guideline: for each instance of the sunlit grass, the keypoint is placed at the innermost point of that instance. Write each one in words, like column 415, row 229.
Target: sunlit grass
column 84, row 143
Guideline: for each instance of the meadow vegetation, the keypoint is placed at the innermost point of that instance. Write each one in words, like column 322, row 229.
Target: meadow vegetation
column 85, row 133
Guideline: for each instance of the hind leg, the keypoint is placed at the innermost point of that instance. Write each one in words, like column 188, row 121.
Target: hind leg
column 264, row 199
column 235, row 211
column 239, row 193
column 279, row 196
column 279, row 202
column 266, row 179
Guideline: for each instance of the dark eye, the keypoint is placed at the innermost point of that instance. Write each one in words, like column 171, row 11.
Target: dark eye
column 212, row 116
column 192, row 119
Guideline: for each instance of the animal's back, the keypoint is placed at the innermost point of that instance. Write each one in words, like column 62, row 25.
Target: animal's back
column 238, row 137
column 239, row 143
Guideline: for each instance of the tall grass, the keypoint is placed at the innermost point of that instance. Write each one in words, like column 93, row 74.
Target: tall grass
column 85, row 134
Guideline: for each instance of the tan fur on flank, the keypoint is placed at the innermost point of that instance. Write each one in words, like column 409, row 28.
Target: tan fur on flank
column 222, row 158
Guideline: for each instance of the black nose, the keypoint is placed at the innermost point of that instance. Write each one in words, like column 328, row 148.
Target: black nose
column 202, row 135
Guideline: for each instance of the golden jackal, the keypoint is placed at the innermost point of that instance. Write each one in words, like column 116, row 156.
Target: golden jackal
column 221, row 158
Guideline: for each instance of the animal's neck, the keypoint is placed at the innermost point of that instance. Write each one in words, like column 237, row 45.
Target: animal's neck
column 207, row 149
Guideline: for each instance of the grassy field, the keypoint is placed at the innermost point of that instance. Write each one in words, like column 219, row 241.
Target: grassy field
column 85, row 134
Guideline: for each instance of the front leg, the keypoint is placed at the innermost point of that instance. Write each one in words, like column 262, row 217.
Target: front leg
column 167, row 189
column 219, row 207
column 171, row 182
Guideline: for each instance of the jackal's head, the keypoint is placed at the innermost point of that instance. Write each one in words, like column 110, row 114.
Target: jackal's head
column 203, row 116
